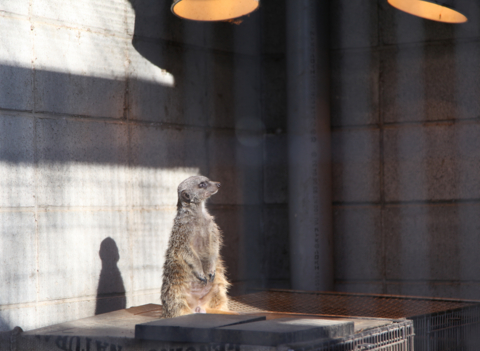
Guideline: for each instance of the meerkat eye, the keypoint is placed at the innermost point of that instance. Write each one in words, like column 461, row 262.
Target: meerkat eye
column 202, row 185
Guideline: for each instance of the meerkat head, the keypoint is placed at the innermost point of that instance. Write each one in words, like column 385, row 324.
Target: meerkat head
column 196, row 190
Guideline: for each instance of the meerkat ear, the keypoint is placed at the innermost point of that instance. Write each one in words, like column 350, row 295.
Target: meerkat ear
column 185, row 196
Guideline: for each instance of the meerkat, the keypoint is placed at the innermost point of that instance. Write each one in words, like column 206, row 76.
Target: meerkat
column 194, row 273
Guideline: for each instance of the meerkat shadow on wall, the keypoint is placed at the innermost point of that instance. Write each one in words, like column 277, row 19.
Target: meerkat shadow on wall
column 110, row 291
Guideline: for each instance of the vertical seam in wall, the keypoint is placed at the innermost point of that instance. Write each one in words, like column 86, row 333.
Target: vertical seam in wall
column 129, row 187
column 35, row 160
column 382, row 155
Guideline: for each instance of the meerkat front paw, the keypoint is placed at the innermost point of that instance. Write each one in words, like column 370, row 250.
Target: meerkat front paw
column 211, row 276
column 201, row 277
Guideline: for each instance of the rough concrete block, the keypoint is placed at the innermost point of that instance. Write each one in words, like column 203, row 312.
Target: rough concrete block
column 88, row 14
column 274, row 92
column 356, row 165
column 150, row 232
column 235, row 160
column 18, row 257
column 81, row 163
column 24, row 318
column 161, row 159
column 190, row 328
column 79, row 73
column 275, row 189
column 47, row 314
column 16, row 161
column 243, row 250
column 436, row 162
column 19, row 7
column 432, row 242
column 354, row 25
column 355, row 88
column 358, row 242
column 436, row 82
column 277, row 246
column 399, row 27
column 284, row 330
column 83, row 254
column 167, row 83
column 16, row 75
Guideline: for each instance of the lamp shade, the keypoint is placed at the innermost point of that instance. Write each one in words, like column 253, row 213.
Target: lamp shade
column 436, row 10
column 213, row 10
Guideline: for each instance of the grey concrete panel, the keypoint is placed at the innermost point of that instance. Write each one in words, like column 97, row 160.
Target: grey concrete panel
column 79, row 73
column 354, row 24
column 358, row 243
column 359, row 287
column 19, row 7
column 234, row 89
column 355, row 90
column 399, row 27
column 244, row 38
column 18, row 255
column 275, row 189
column 455, row 290
column 45, row 315
column 274, row 92
column 16, row 161
column 356, row 165
column 436, row 162
column 16, row 75
column 167, row 83
column 432, row 242
column 81, row 163
column 88, row 14
column 221, row 90
column 284, row 330
column 150, row 232
column 235, row 160
column 273, row 19
column 277, row 251
column 25, row 317
column 155, row 20
column 243, row 250
column 161, row 159
column 436, row 82
column 83, row 254
column 190, row 328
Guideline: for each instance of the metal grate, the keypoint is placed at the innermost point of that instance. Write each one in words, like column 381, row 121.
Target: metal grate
column 398, row 337
column 440, row 324
column 342, row 304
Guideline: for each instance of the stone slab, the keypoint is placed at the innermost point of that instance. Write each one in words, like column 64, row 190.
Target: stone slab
column 284, row 330
column 190, row 328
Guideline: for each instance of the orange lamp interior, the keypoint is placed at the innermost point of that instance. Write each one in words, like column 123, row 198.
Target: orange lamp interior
column 429, row 10
column 213, row 10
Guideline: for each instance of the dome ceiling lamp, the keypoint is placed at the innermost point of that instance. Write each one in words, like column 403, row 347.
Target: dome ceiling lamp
column 436, row 10
column 213, row 10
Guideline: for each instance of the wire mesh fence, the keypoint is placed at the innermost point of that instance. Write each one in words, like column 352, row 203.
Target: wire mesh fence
column 438, row 324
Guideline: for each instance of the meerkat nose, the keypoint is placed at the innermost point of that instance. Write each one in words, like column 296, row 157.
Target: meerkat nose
column 218, row 185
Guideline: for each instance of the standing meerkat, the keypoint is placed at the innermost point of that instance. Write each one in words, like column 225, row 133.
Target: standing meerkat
column 194, row 274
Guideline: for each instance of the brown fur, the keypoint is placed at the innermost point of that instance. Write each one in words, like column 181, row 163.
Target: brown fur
column 194, row 273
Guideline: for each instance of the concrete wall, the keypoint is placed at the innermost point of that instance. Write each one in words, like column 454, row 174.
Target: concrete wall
column 104, row 108
column 406, row 151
